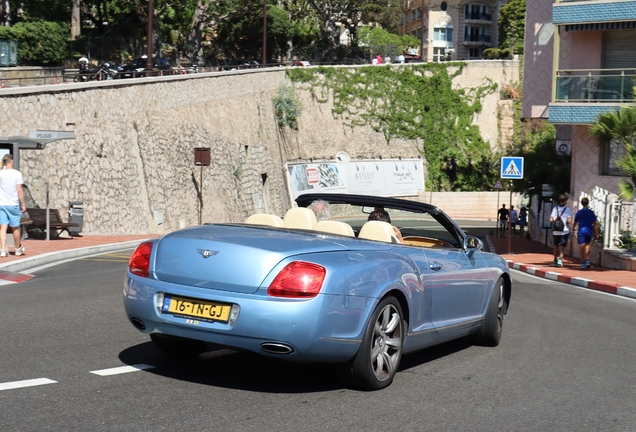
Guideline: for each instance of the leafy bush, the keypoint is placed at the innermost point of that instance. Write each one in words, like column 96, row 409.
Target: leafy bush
column 287, row 107
column 39, row 42
column 496, row 53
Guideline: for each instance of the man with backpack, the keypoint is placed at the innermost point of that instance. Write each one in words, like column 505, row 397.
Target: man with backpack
column 560, row 218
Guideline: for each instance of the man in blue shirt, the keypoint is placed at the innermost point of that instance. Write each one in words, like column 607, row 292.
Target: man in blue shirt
column 588, row 229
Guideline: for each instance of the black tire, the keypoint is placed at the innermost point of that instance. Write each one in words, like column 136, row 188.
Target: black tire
column 178, row 347
column 380, row 353
column 490, row 332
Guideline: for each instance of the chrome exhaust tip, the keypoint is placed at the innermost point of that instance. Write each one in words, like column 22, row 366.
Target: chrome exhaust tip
column 276, row 348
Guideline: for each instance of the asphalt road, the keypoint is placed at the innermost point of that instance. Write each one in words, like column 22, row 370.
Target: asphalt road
column 566, row 362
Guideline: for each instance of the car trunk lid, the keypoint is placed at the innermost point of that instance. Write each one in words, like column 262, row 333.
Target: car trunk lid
column 230, row 257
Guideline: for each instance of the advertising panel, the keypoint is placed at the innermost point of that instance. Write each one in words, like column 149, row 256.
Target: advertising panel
column 383, row 177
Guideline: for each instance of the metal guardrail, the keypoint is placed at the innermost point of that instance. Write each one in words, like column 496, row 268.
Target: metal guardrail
column 31, row 81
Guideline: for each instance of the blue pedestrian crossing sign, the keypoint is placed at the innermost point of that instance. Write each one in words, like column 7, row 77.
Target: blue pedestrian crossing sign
column 511, row 168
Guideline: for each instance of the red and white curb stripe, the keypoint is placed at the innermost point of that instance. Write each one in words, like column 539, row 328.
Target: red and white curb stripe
column 573, row 280
column 9, row 277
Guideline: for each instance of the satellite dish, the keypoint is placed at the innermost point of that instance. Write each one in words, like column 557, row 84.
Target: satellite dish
column 343, row 157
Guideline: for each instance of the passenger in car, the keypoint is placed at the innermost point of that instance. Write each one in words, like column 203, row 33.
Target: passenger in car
column 380, row 214
column 322, row 209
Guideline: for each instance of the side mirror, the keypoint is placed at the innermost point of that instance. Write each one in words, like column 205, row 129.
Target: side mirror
column 473, row 243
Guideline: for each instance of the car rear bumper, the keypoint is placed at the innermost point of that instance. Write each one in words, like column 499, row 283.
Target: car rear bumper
column 327, row 328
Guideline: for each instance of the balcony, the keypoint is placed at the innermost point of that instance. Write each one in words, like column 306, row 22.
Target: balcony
column 478, row 17
column 581, row 95
column 476, row 39
column 596, row 85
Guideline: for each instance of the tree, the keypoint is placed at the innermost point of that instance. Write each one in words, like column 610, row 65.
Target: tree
column 620, row 126
column 512, row 25
column 39, row 42
column 375, row 36
column 542, row 165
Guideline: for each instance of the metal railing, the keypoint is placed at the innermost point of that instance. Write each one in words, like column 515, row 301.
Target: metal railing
column 478, row 16
column 595, row 85
column 477, row 38
column 31, row 81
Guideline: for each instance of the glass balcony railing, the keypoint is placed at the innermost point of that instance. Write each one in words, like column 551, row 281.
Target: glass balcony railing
column 596, row 85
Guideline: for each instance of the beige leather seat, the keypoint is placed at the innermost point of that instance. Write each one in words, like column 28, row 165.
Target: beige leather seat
column 265, row 219
column 379, row 231
column 334, row 227
column 299, row 217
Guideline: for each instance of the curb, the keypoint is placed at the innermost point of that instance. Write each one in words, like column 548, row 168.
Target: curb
column 572, row 280
column 54, row 257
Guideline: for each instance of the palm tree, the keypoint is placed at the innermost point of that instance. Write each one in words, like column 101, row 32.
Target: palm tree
column 620, row 126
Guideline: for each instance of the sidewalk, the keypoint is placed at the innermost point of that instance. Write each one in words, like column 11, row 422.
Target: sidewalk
column 534, row 258
column 42, row 252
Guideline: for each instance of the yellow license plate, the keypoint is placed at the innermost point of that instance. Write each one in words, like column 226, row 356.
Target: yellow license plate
column 202, row 309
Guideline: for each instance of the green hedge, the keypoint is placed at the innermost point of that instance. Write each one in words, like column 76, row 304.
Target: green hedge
column 39, row 42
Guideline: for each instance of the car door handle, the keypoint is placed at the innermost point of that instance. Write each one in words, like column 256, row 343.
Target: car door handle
column 436, row 266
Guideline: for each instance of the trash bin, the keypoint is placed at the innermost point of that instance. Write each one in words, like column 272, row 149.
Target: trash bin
column 76, row 215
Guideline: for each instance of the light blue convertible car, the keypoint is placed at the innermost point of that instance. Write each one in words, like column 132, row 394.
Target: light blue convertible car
column 351, row 291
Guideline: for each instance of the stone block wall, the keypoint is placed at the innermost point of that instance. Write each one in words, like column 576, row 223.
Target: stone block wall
column 133, row 156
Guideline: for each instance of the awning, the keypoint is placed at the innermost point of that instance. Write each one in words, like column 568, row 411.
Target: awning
column 622, row 25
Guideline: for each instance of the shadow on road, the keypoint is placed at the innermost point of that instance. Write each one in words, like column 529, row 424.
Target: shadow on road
column 221, row 367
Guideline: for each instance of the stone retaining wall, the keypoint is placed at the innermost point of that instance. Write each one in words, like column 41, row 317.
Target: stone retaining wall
column 132, row 161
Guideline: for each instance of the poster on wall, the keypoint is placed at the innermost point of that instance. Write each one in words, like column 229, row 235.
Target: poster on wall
column 383, row 177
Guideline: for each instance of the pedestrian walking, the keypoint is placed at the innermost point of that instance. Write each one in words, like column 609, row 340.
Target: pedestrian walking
column 513, row 219
column 561, row 218
column 523, row 220
column 11, row 205
column 585, row 218
column 502, row 215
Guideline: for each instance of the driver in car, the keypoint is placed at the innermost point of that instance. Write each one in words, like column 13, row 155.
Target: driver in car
column 379, row 214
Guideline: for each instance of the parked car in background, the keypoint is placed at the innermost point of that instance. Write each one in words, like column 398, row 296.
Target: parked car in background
column 301, row 63
column 137, row 68
column 345, row 291
column 240, row 64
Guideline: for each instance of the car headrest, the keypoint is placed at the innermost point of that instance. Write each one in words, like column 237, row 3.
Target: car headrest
column 334, row 227
column 377, row 230
column 265, row 219
column 299, row 217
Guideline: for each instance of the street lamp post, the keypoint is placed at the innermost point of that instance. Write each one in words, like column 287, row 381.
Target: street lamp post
column 151, row 12
column 264, row 59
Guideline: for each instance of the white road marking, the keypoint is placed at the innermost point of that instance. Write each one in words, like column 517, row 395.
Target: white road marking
column 26, row 383
column 122, row 369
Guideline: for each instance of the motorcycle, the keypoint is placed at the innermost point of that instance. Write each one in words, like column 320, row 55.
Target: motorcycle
column 105, row 71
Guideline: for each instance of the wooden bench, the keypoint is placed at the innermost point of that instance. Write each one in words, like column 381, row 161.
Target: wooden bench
column 56, row 224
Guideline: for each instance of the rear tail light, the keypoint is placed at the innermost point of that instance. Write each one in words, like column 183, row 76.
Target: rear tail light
column 139, row 263
column 298, row 280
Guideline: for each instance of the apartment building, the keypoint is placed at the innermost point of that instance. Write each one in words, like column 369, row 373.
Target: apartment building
column 452, row 29
column 580, row 60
